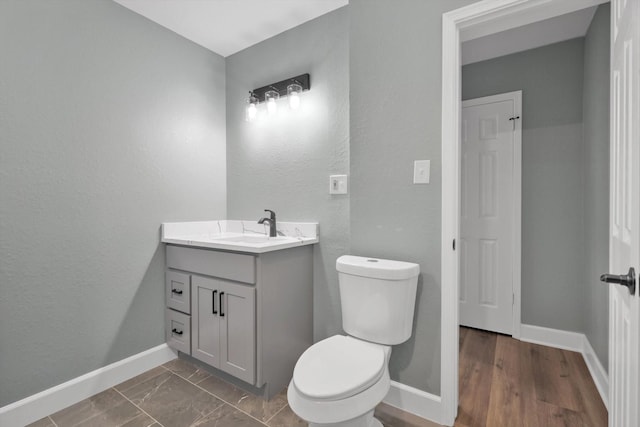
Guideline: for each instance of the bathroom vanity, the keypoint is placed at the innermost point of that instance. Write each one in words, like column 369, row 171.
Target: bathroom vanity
column 238, row 300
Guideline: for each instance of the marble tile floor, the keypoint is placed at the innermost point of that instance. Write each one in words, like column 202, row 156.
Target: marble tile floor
column 181, row 394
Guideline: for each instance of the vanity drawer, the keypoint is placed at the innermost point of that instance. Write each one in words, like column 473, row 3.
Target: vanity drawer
column 178, row 291
column 178, row 330
column 225, row 265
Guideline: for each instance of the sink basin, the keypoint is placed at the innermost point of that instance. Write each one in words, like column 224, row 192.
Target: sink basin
column 252, row 239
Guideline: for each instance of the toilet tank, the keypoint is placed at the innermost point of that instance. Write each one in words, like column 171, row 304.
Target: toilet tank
column 378, row 298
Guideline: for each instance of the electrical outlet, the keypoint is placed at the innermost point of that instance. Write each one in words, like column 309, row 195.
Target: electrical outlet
column 338, row 184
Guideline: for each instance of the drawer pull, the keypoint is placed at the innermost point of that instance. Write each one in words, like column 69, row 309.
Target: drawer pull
column 177, row 332
column 221, row 312
column 176, row 291
column 213, row 302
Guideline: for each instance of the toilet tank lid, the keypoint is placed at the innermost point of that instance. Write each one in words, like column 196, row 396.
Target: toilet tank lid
column 377, row 268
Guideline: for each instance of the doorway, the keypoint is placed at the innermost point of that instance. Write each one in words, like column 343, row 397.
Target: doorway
column 471, row 22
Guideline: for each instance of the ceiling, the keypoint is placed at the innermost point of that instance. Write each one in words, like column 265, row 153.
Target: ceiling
column 541, row 33
column 228, row 26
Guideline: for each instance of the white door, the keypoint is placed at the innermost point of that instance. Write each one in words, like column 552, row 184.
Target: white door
column 490, row 130
column 624, row 239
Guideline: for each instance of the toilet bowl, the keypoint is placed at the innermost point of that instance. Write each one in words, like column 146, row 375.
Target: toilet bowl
column 340, row 380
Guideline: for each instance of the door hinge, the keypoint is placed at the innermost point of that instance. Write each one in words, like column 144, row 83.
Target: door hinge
column 513, row 299
column 454, row 244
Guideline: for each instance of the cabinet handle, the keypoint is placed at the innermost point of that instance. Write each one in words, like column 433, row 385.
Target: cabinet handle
column 213, row 302
column 221, row 312
column 177, row 332
column 176, row 291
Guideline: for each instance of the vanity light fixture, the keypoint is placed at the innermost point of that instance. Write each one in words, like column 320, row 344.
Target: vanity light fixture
column 251, row 111
column 292, row 88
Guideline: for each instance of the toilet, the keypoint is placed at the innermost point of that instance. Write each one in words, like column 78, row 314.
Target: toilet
column 340, row 380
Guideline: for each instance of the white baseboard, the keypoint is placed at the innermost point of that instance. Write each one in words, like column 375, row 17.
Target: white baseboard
column 414, row 401
column 572, row 341
column 565, row 340
column 47, row 402
column 598, row 373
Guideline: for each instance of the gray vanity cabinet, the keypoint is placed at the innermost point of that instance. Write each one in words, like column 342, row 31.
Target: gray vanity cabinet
column 250, row 315
column 224, row 326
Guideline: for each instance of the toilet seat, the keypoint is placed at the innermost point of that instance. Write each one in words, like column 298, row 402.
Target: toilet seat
column 339, row 367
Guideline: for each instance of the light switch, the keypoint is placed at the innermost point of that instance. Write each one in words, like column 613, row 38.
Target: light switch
column 338, row 184
column 421, row 171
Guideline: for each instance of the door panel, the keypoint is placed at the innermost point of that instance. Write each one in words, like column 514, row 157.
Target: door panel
column 237, row 328
column 624, row 241
column 488, row 274
column 487, row 212
column 488, row 184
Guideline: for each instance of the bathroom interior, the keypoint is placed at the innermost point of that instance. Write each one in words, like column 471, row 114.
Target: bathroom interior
column 112, row 125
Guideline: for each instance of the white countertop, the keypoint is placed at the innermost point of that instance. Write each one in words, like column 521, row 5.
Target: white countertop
column 239, row 236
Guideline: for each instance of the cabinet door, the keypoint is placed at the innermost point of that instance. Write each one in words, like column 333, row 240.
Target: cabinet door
column 205, row 331
column 238, row 331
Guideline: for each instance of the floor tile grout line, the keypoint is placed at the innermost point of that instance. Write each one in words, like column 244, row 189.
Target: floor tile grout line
column 277, row 412
column 216, row 396
column 143, row 381
column 188, row 379
column 202, row 380
column 141, row 410
column 194, row 383
column 230, row 404
column 52, row 422
column 50, row 416
column 213, row 394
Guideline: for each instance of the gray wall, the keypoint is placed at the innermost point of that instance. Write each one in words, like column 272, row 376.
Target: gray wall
column 395, row 110
column 550, row 78
column 109, row 125
column 284, row 164
column 596, row 181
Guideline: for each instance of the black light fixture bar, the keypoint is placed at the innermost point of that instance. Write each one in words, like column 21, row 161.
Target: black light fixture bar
column 281, row 87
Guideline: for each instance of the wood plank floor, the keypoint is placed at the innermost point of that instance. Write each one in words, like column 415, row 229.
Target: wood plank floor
column 511, row 383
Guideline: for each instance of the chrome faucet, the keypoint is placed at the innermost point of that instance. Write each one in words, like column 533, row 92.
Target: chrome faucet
column 271, row 221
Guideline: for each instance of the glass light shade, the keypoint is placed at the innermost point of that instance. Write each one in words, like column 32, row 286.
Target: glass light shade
column 251, row 110
column 270, row 97
column 293, row 92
